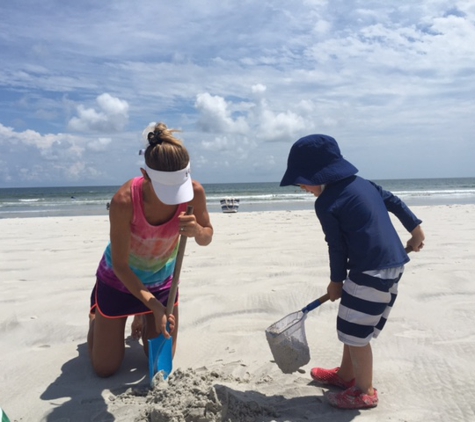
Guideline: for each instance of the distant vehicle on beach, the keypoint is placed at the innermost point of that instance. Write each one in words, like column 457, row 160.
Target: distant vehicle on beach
column 229, row 205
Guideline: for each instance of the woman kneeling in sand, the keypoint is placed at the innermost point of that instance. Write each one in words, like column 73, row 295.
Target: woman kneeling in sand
column 147, row 217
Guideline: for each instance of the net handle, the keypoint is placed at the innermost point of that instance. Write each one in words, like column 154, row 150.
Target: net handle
column 316, row 303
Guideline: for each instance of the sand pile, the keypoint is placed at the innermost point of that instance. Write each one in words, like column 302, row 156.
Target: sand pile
column 196, row 396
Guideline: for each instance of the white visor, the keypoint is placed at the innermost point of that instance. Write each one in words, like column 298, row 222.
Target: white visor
column 172, row 187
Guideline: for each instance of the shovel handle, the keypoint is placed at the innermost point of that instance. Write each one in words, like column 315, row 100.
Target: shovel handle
column 176, row 272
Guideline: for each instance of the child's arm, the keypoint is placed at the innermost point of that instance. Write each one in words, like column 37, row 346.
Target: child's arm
column 408, row 219
column 397, row 207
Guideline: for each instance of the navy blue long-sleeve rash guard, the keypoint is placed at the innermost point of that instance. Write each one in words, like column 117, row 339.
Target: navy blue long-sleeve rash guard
column 354, row 216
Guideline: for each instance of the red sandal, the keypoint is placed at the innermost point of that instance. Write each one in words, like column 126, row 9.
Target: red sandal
column 353, row 398
column 330, row 377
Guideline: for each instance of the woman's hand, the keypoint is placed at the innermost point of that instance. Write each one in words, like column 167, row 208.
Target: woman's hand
column 161, row 320
column 198, row 224
column 189, row 227
column 137, row 327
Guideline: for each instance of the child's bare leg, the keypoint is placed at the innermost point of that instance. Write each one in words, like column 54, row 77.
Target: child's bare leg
column 346, row 372
column 362, row 359
column 106, row 344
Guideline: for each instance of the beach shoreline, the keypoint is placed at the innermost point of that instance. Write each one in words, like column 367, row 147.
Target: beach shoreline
column 260, row 267
column 253, row 197
column 281, row 206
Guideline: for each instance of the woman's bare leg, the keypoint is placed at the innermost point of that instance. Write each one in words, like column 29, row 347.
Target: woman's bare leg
column 106, row 343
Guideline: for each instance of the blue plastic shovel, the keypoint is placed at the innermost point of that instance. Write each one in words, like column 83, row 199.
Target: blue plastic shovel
column 160, row 349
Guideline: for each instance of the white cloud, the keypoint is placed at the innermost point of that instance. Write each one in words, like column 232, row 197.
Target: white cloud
column 257, row 120
column 76, row 170
column 216, row 116
column 63, row 157
column 258, row 89
column 218, row 144
column 112, row 116
column 241, row 82
column 322, row 27
column 10, row 138
column 99, row 144
column 278, row 126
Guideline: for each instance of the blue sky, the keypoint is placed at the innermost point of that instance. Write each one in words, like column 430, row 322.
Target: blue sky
column 392, row 81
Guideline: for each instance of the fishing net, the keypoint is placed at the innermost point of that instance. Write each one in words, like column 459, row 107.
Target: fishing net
column 288, row 342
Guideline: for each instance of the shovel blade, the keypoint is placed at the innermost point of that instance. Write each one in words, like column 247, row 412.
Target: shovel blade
column 160, row 356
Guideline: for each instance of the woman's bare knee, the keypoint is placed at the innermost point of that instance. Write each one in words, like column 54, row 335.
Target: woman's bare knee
column 105, row 371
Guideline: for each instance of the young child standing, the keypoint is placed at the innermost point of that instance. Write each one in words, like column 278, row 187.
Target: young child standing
column 366, row 258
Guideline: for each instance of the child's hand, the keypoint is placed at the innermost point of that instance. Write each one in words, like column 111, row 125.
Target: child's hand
column 335, row 289
column 416, row 242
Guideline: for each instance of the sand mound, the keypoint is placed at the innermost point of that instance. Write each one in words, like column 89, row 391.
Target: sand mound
column 197, row 396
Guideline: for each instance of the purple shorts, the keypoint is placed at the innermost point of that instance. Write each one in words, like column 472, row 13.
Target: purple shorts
column 113, row 303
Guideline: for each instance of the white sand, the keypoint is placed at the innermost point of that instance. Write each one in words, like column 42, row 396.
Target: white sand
column 259, row 268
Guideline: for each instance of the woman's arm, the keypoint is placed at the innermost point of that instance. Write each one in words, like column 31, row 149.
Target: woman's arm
column 197, row 225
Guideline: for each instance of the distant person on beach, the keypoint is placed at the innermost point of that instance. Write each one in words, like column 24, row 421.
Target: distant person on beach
column 147, row 217
column 366, row 258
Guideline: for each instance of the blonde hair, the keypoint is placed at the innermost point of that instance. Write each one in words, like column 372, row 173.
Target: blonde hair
column 165, row 152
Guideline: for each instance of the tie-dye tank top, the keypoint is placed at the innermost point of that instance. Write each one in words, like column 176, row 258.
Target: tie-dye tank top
column 153, row 249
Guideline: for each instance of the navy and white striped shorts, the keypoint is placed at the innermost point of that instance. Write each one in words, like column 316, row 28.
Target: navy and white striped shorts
column 366, row 302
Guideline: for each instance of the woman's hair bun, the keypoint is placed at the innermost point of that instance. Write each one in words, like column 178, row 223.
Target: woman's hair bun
column 154, row 138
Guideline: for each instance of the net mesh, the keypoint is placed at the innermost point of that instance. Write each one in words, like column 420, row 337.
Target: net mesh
column 288, row 342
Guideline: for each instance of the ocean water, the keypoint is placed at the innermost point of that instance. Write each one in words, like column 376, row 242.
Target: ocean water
column 92, row 200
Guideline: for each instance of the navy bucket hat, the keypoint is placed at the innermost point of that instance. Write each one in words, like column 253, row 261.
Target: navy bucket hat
column 316, row 160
